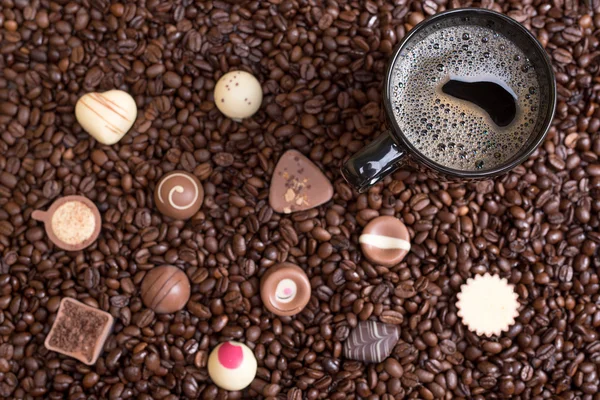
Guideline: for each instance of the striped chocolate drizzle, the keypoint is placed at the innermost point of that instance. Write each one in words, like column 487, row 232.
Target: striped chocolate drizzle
column 110, row 105
column 371, row 342
column 163, row 291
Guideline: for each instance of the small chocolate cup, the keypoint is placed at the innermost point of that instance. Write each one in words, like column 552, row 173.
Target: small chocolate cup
column 46, row 218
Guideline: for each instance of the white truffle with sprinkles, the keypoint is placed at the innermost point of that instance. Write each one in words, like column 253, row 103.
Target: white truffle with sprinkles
column 238, row 95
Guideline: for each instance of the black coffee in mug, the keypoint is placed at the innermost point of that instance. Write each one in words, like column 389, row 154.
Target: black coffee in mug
column 465, row 96
column 469, row 93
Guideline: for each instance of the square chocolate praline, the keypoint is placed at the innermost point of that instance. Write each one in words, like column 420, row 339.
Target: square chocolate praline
column 79, row 331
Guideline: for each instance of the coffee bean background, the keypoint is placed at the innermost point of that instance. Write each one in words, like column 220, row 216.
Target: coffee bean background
column 321, row 64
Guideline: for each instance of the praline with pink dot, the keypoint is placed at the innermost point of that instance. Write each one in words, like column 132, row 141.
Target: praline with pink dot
column 285, row 289
column 232, row 365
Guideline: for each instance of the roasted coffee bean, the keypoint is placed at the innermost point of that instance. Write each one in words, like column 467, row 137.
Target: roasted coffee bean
column 410, row 380
column 405, row 290
column 562, row 56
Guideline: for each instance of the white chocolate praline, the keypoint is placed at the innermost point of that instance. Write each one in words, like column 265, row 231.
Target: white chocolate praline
column 232, row 365
column 487, row 304
column 238, row 95
column 106, row 116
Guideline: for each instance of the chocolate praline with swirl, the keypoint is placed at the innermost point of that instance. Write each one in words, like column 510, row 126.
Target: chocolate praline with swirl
column 179, row 195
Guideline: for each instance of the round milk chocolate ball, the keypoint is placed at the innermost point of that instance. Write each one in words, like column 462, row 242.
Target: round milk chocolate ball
column 285, row 289
column 385, row 241
column 178, row 195
column 232, row 366
column 238, row 95
column 165, row 289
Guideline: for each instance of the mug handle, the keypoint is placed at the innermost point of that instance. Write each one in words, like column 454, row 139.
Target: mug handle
column 374, row 162
column 40, row 215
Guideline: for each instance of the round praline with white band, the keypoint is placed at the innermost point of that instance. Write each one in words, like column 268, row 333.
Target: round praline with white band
column 487, row 304
column 179, row 195
column 385, row 241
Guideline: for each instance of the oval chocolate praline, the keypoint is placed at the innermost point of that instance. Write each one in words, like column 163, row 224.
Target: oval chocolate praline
column 165, row 289
column 285, row 289
column 178, row 195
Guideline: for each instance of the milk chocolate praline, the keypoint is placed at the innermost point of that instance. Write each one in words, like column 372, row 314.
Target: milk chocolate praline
column 298, row 184
column 178, row 195
column 165, row 289
column 385, row 241
column 285, row 289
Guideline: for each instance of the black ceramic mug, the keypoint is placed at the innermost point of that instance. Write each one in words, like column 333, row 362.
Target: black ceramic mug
column 392, row 149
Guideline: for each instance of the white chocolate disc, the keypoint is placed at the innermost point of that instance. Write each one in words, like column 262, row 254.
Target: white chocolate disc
column 487, row 304
column 286, row 291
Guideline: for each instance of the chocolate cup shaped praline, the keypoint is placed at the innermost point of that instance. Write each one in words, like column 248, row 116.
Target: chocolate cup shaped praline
column 75, row 217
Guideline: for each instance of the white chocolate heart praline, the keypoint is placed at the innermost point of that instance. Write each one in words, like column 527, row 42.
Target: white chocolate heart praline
column 106, row 116
column 238, row 95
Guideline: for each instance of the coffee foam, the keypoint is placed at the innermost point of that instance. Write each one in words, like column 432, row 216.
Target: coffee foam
column 452, row 132
column 73, row 222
